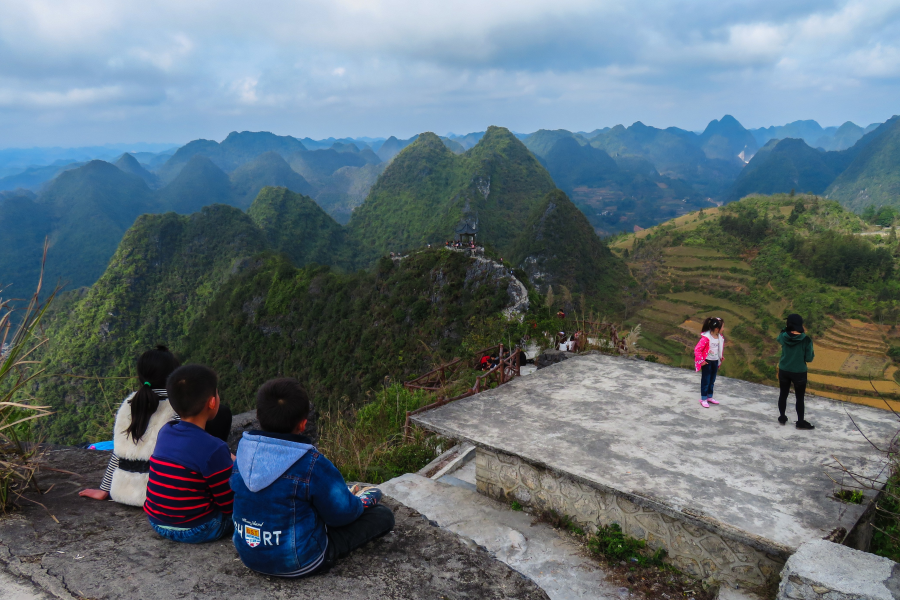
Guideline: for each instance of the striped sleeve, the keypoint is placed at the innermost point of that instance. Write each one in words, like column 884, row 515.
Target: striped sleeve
column 223, row 496
column 106, row 483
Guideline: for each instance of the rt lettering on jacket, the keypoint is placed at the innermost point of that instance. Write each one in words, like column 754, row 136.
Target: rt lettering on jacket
column 254, row 535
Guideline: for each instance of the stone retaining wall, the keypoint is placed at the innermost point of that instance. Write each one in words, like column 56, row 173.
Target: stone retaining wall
column 696, row 550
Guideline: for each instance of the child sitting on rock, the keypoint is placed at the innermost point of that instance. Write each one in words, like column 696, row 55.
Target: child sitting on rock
column 138, row 421
column 293, row 513
column 188, row 498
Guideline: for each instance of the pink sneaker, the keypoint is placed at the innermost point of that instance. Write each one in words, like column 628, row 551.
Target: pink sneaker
column 703, row 403
column 711, row 401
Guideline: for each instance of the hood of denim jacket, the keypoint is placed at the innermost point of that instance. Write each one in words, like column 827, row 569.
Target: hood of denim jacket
column 262, row 459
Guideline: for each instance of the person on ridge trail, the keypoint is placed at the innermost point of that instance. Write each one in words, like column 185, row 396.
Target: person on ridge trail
column 796, row 351
column 708, row 354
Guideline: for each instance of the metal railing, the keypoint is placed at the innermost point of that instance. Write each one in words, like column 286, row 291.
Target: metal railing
column 507, row 368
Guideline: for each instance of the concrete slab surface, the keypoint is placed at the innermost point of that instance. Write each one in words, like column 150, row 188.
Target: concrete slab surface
column 637, row 429
column 539, row 552
column 107, row 550
column 16, row 588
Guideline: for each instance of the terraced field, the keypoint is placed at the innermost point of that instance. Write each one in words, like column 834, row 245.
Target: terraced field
column 694, row 282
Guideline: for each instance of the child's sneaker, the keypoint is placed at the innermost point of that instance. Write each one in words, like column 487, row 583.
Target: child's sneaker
column 703, row 403
column 805, row 425
column 711, row 401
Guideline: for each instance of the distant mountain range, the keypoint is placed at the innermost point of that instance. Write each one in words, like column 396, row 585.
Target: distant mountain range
column 621, row 178
column 867, row 173
column 283, row 287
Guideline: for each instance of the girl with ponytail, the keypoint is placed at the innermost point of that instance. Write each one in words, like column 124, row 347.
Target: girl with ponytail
column 138, row 422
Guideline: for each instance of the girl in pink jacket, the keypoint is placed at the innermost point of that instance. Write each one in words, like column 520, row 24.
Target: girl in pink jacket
column 708, row 355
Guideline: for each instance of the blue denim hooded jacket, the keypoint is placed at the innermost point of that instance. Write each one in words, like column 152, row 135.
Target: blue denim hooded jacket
column 285, row 495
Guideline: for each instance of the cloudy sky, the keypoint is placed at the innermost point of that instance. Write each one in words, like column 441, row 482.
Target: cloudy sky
column 77, row 72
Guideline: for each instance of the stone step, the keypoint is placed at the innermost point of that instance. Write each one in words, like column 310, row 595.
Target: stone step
column 537, row 551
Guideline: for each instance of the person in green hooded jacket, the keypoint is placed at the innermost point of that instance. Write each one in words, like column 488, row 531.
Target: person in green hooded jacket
column 796, row 351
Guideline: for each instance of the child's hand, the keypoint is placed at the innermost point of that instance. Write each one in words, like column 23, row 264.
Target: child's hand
column 95, row 494
column 703, row 363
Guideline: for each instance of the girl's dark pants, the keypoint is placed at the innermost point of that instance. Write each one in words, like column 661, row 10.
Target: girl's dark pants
column 708, row 374
column 785, row 379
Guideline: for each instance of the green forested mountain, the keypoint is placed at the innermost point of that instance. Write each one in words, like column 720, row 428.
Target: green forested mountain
column 674, row 152
column 342, row 334
column 24, row 224
column 784, row 165
column 425, row 192
column 558, row 247
column 199, row 183
column 268, row 169
column 209, row 286
column 392, row 147
column 455, row 147
column 163, row 275
column 540, row 142
column 346, row 188
column 91, row 208
column 873, row 177
column 826, row 138
column 295, row 225
column 807, row 130
column 616, row 195
column 317, row 166
column 726, row 139
column 129, row 164
column 235, row 150
column 33, row 177
column 862, row 175
column 844, row 137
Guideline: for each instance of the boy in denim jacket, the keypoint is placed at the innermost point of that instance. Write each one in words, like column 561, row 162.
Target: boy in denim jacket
column 293, row 513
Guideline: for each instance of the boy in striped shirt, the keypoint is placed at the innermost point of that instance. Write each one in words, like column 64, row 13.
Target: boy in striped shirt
column 188, row 496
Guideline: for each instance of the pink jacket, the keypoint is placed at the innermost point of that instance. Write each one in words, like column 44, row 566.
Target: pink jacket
column 701, row 350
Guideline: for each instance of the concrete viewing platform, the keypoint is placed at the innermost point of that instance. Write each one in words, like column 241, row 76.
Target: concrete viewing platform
column 727, row 491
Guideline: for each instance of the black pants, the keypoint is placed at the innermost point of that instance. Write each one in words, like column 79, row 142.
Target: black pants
column 373, row 523
column 220, row 425
column 785, row 379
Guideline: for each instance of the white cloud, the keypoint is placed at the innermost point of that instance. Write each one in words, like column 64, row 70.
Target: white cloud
column 380, row 66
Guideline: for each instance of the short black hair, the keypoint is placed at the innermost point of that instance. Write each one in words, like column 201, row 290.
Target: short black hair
column 189, row 387
column 281, row 404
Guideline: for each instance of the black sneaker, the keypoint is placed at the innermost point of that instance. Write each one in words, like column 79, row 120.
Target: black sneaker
column 782, row 419
column 805, row 425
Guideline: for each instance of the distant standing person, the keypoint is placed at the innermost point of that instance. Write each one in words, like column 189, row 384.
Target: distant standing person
column 796, row 351
column 708, row 354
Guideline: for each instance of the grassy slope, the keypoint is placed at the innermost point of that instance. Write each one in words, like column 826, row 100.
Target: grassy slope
column 691, row 269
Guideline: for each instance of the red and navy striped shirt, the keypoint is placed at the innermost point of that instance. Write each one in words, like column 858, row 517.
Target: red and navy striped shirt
column 189, row 473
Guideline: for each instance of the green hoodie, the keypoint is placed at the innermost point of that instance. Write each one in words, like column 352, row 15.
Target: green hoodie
column 796, row 351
